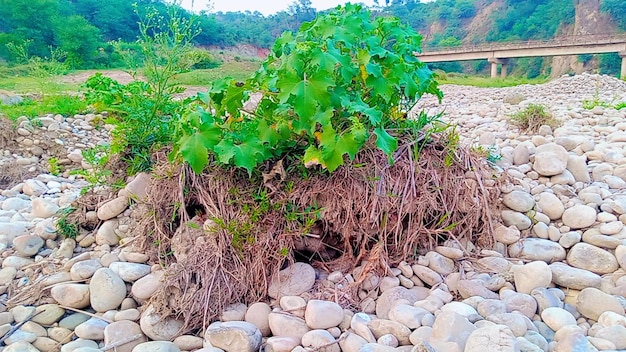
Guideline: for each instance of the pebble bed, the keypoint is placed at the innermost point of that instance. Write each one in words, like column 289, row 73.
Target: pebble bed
column 554, row 282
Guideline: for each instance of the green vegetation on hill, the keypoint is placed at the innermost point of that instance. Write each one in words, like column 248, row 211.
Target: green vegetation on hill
column 93, row 33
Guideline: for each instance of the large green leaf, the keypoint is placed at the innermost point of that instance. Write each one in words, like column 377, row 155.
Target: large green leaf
column 385, row 142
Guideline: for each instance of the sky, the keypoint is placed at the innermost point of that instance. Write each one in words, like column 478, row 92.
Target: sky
column 266, row 7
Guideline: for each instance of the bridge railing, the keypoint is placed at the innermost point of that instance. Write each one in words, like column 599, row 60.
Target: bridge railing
column 529, row 44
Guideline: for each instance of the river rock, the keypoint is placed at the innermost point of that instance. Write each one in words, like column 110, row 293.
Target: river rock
column 292, row 281
column 107, row 290
column 156, row 346
column 549, row 163
column 574, row 278
column 519, row 201
column 532, row 275
column 27, row 245
column 145, row 287
column 130, row 272
column 537, row 249
column 282, row 324
column 451, row 327
column 579, row 216
column 482, row 339
column 320, row 340
column 124, row 330
column 592, row 302
column 322, row 314
column 71, row 295
column 550, row 205
column 388, row 298
column 595, row 259
column 112, row 208
column 234, row 336
column 157, row 327
column 43, row 208
column 258, row 314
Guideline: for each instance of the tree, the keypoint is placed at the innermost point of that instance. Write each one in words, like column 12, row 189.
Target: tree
column 79, row 39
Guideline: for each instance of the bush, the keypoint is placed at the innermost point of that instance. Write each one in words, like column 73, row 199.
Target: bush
column 200, row 59
column 343, row 78
column 531, row 118
column 145, row 112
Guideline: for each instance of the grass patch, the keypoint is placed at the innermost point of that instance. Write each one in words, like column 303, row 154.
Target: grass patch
column 487, row 82
column 239, row 70
column 531, row 118
column 65, row 105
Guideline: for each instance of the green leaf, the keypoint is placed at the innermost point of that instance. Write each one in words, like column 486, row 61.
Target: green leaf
column 385, row 142
column 194, row 151
column 312, row 157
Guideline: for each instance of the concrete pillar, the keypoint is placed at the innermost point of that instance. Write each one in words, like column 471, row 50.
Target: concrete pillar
column 622, row 75
column 494, row 66
column 494, row 70
column 503, row 70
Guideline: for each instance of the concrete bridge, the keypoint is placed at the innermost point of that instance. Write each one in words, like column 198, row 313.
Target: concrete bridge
column 498, row 54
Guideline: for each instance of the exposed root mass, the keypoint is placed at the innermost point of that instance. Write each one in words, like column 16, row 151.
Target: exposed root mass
column 221, row 235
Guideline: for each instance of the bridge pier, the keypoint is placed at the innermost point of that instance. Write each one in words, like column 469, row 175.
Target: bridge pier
column 622, row 54
column 494, row 66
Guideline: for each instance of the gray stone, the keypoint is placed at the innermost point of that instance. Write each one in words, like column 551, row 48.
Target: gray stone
column 566, row 276
column 157, row 327
column 388, row 298
column 120, row 331
column 292, row 281
column 43, row 208
column 145, row 287
column 106, row 233
column 556, row 318
column 282, row 324
column 517, row 219
column 157, row 346
column 537, row 249
column 497, row 338
column 451, row 327
column 579, row 216
column 519, row 201
column 550, row 205
column 380, row 327
column 532, row 275
column 27, row 245
column 71, row 295
column 587, row 257
column 323, row 314
column 112, row 208
column 234, row 336
column 592, row 302
column 106, row 290
column 130, row 272
column 320, row 340
column 92, row 329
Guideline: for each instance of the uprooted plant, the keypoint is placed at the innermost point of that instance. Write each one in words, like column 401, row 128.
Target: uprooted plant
column 325, row 168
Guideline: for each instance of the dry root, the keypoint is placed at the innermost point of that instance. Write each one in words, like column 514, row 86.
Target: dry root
column 220, row 236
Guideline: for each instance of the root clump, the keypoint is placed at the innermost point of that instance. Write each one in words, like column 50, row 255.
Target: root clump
column 221, row 235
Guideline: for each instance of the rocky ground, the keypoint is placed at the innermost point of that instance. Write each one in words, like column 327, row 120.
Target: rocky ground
column 555, row 281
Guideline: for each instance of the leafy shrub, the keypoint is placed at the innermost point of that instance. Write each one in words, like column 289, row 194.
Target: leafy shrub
column 620, row 106
column 343, row 78
column 145, row 112
column 533, row 117
column 200, row 59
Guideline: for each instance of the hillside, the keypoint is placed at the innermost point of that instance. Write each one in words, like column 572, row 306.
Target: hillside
column 92, row 33
column 459, row 22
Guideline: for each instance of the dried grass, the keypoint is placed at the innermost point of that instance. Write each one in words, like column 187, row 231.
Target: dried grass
column 378, row 213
